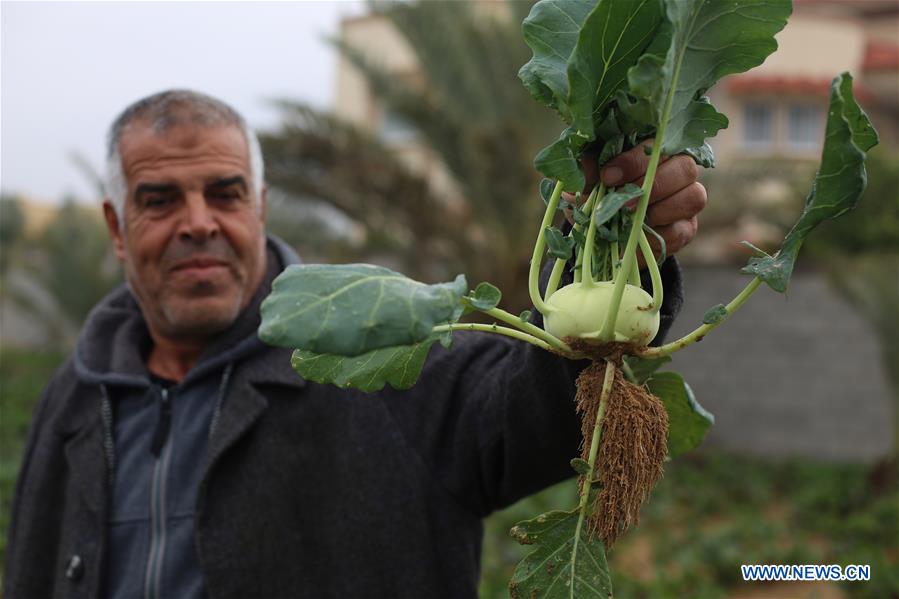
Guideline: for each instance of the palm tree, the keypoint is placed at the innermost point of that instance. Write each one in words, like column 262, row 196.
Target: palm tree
column 470, row 110
column 63, row 272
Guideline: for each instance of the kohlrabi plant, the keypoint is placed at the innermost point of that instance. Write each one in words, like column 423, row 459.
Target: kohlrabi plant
column 619, row 73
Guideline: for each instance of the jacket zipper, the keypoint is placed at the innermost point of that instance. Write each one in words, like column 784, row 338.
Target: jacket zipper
column 108, row 439
column 162, row 449
column 106, row 418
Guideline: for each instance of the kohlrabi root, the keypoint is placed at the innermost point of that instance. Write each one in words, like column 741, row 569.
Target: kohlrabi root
column 632, row 447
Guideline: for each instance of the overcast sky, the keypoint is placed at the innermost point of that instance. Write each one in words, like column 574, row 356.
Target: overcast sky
column 67, row 69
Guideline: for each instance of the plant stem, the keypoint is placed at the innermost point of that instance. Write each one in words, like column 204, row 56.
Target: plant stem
column 492, row 328
column 607, row 332
column 628, row 372
column 613, row 248
column 607, row 381
column 587, row 270
column 527, row 327
column 537, row 258
column 559, row 266
column 699, row 333
column 634, row 276
column 554, row 277
column 578, row 265
column 655, row 275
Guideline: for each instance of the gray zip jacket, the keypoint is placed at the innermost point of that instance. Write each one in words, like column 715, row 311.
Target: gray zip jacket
column 246, row 481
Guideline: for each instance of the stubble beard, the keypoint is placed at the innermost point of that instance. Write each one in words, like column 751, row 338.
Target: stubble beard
column 177, row 316
column 194, row 312
column 193, row 319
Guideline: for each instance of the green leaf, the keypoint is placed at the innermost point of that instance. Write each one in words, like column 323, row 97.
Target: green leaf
column 351, row 309
column 840, row 181
column 715, row 314
column 581, row 466
column 613, row 201
column 610, row 149
column 558, row 245
column 525, row 316
column 643, row 368
column 606, row 234
column 635, row 116
column 703, row 155
column 485, row 296
column 688, row 422
column 700, row 42
column 546, row 190
column 445, row 338
column 580, row 217
column 691, row 126
column 551, row 30
column 582, row 52
column 609, row 126
column 611, row 39
column 580, row 237
column 559, row 161
column 399, row 367
column 549, row 572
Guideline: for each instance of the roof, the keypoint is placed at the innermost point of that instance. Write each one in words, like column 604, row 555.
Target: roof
column 796, row 85
column 881, row 56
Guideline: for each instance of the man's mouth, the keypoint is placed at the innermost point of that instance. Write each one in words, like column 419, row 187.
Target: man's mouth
column 199, row 264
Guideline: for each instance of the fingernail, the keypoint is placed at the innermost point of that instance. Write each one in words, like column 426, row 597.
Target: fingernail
column 612, row 175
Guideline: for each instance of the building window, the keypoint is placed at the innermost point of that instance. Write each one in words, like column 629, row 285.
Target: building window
column 758, row 125
column 804, row 123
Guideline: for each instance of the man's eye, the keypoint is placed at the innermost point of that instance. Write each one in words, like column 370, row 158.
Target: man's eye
column 224, row 196
column 157, row 201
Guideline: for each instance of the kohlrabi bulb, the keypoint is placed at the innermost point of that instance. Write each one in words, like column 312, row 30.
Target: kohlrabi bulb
column 578, row 311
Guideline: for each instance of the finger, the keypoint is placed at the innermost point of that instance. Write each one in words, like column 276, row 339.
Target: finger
column 628, row 166
column 572, row 198
column 672, row 176
column 676, row 235
column 682, row 205
column 591, row 173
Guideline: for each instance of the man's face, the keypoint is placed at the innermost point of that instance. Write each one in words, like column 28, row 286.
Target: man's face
column 192, row 238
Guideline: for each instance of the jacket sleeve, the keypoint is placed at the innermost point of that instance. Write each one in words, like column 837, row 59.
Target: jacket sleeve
column 494, row 419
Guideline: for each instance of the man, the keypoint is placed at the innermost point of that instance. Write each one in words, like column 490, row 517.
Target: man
column 175, row 455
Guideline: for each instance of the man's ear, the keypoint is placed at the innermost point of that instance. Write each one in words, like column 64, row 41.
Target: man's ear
column 263, row 204
column 115, row 230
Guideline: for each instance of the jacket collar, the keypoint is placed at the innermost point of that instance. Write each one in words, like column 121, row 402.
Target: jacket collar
column 272, row 367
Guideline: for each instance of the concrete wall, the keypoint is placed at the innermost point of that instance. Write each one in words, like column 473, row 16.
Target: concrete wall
column 798, row 374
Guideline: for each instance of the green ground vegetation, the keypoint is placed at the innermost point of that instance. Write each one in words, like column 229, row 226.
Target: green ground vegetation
column 712, row 512
column 23, row 375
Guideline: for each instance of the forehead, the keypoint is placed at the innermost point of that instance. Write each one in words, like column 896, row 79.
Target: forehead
column 183, row 152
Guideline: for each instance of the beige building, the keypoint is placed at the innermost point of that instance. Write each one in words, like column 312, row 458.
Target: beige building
column 776, row 110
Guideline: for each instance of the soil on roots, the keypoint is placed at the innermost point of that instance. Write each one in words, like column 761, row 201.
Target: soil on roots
column 613, row 350
column 632, row 448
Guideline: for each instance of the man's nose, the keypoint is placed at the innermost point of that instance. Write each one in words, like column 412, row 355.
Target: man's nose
column 199, row 221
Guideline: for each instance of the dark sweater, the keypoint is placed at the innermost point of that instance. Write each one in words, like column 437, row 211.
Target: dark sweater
column 302, row 490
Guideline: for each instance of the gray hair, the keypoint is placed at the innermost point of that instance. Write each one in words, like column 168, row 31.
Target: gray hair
column 164, row 111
